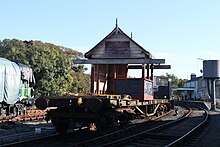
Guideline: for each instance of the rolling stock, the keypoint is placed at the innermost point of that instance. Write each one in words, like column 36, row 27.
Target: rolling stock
column 115, row 97
column 16, row 87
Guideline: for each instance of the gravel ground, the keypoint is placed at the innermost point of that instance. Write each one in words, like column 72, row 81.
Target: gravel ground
column 19, row 130
column 15, row 131
column 173, row 116
column 211, row 135
column 8, row 128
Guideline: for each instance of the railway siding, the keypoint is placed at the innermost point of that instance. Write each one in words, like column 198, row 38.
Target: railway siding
column 209, row 137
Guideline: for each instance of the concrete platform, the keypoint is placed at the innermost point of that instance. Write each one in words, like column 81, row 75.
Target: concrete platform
column 202, row 104
column 211, row 137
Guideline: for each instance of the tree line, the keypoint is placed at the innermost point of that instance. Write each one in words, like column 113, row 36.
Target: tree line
column 52, row 65
column 176, row 83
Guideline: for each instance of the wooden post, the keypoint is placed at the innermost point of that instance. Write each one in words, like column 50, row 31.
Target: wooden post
column 92, row 78
column 115, row 74
column 152, row 72
column 98, row 80
column 114, row 77
column 106, row 80
column 143, row 71
column 148, row 71
column 143, row 81
column 127, row 71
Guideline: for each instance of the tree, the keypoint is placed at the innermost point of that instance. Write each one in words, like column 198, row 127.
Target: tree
column 52, row 66
column 176, row 83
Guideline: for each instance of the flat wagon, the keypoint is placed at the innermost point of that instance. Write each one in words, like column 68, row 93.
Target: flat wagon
column 115, row 98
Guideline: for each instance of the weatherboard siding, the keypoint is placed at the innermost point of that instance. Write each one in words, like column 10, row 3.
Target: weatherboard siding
column 134, row 51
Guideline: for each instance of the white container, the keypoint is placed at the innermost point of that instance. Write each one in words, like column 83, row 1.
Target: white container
column 37, row 130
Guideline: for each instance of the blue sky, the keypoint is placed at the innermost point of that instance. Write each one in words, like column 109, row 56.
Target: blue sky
column 178, row 31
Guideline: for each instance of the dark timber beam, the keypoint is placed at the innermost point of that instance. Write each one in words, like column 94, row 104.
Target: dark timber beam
column 119, row 61
column 155, row 67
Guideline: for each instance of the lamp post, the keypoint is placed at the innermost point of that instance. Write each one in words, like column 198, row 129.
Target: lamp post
column 169, row 87
column 197, row 64
column 200, row 59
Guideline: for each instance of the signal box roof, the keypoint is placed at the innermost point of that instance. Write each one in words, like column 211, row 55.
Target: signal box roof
column 117, row 45
column 118, row 48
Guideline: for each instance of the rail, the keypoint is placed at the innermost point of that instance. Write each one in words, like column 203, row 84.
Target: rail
column 120, row 136
column 181, row 139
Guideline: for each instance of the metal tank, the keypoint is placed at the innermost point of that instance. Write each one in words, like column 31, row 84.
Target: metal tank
column 211, row 72
column 211, row 69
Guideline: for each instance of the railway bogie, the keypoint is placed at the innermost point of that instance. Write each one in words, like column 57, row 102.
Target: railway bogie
column 103, row 111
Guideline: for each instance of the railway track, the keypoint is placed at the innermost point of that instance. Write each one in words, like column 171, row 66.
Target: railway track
column 112, row 138
column 18, row 128
column 159, row 134
column 58, row 139
column 18, row 138
column 47, row 138
column 171, row 134
column 166, row 130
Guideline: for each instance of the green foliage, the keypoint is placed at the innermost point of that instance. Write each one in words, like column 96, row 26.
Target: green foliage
column 79, row 86
column 176, row 83
column 52, row 66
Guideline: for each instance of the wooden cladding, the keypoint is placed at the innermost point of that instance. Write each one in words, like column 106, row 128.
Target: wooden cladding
column 117, row 48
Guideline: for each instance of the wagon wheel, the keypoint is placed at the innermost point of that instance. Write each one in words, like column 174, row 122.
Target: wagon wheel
column 92, row 127
column 124, row 120
column 61, row 124
column 95, row 126
column 100, row 128
column 100, row 125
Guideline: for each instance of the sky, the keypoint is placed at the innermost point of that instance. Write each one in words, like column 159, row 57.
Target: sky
column 183, row 32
